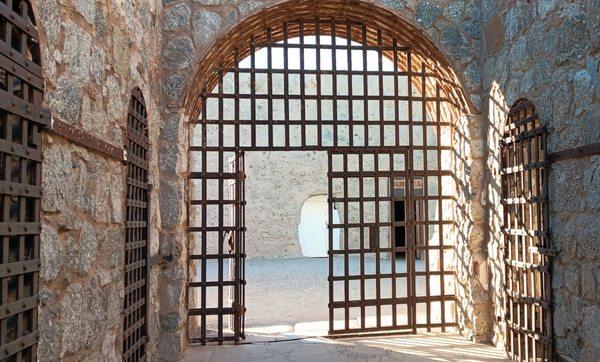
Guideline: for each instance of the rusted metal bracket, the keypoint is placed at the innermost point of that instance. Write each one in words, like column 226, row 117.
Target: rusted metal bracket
column 160, row 259
column 86, row 139
column 577, row 152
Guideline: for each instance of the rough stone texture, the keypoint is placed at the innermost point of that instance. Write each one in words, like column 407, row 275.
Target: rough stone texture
column 93, row 54
column 543, row 51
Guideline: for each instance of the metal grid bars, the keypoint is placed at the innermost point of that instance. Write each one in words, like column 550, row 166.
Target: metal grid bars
column 388, row 273
column 215, row 288
column 337, row 85
column 527, row 249
column 21, row 123
column 135, row 331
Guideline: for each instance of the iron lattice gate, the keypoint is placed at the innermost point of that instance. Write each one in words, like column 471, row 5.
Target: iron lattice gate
column 135, row 321
column 527, row 250
column 21, row 122
column 328, row 83
column 215, row 288
column 388, row 250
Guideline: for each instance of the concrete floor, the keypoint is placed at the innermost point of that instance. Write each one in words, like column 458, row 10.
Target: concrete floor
column 286, row 301
column 418, row 347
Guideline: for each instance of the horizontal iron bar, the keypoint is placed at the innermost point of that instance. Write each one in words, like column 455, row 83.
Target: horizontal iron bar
column 342, row 278
column 133, row 348
column 383, row 331
column 135, row 306
column 131, row 287
column 19, row 344
column 392, row 301
column 20, row 267
column 577, row 152
column 32, row 79
column 523, row 232
column 212, row 311
column 18, row 306
column 19, row 150
column 20, row 228
column 214, row 256
column 131, row 329
column 216, row 175
column 524, row 200
column 86, row 139
column 225, row 283
column 523, row 167
column 137, row 183
column 527, row 299
column 23, row 108
column 525, row 135
column 19, row 189
column 19, row 58
column 542, row 251
column 535, row 335
column 526, row 266
column 325, row 97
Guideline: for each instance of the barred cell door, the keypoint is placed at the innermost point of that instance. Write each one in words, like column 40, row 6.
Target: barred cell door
column 216, row 253
column 527, row 250
column 391, row 271
column 135, row 320
column 22, row 120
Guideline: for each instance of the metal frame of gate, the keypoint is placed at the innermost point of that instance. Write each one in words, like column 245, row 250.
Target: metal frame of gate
column 527, row 249
column 22, row 120
column 230, row 122
column 135, row 303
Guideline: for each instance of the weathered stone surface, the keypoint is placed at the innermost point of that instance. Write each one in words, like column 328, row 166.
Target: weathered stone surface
column 573, row 39
column 81, row 250
column 51, row 330
column 177, row 17
column 122, row 57
column 48, row 17
column 175, row 85
column 427, row 13
column 51, row 253
column 87, row 9
column 171, row 198
column 178, row 53
column 206, row 27
column 66, row 100
column 455, row 43
column 75, row 327
column 76, row 52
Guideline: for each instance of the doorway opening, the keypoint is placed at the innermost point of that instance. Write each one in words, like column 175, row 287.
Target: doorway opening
column 312, row 229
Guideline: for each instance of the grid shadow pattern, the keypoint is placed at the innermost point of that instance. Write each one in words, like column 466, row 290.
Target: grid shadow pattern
column 527, row 249
column 21, row 123
column 135, row 307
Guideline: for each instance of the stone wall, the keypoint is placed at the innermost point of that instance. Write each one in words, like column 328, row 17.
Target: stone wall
column 547, row 51
column 93, row 53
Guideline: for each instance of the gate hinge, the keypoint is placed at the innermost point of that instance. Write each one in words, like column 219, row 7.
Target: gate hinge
column 160, row 259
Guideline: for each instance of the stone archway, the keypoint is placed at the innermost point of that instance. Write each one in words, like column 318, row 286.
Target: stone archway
column 205, row 77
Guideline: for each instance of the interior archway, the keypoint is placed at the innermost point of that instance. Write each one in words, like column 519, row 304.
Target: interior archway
column 397, row 127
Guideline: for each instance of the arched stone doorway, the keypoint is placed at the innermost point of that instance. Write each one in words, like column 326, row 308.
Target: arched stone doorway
column 403, row 132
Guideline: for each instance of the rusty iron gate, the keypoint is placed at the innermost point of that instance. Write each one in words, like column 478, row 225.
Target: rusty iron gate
column 22, row 120
column 135, row 307
column 337, row 85
column 527, row 249
column 388, row 211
